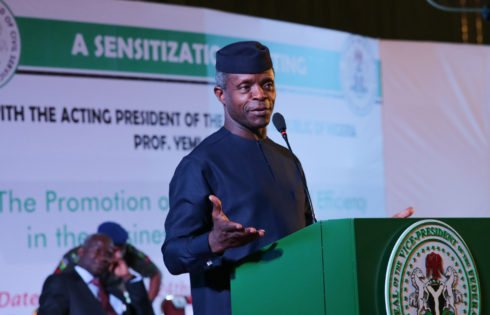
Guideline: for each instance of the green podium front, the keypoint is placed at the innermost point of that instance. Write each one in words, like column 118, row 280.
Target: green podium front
column 339, row 267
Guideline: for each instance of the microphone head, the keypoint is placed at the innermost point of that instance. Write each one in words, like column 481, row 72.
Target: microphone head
column 279, row 122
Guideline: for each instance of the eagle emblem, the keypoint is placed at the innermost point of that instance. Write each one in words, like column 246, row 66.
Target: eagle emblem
column 437, row 286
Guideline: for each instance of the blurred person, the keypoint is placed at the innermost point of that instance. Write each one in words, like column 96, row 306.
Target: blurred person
column 80, row 291
column 134, row 258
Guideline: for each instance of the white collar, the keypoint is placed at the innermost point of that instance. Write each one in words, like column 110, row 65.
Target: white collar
column 84, row 274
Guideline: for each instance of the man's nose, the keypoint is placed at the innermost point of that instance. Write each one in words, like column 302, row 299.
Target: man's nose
column 109, row 257
column 258, row 92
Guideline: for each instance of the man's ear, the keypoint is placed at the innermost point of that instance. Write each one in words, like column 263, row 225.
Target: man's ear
column 218, row 91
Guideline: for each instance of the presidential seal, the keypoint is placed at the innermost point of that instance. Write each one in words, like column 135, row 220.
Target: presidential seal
column 431, row 272
column 9, row 44
column 359, row 75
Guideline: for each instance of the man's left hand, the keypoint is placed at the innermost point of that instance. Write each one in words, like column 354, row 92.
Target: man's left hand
column 404, row 213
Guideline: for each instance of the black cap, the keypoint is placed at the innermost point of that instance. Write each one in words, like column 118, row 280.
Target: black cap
column 243, row 57
column 117, row 233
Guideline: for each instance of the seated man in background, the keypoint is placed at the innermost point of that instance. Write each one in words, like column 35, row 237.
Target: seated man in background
column 80, row 292
column 134, row 258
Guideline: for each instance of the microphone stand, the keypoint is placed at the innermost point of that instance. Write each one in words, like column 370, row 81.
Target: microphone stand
column 280, row 125
column 307, row 192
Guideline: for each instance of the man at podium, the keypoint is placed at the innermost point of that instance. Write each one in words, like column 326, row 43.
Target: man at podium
column 238, row 190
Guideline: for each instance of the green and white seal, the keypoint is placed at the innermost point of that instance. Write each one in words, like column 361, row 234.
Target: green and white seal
column 9, row 44
column 359, row 75
column 431, row 272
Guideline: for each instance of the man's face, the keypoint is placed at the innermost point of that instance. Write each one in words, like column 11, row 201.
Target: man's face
column 248, row 99
column 97, row 257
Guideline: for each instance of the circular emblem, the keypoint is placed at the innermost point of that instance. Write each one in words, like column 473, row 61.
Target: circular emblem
column 9, row 44
column 431, row 272
column 359, row 75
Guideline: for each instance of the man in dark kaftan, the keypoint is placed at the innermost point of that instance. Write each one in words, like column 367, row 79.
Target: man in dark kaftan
column 238, row 190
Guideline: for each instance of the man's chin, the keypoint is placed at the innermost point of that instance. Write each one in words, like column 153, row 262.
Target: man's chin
column 262, row 121
column 101, row 270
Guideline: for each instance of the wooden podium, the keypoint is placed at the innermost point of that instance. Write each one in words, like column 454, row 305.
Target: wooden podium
column 339, row 267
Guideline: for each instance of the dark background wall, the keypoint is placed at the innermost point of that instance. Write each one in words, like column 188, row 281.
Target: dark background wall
column 388, row 19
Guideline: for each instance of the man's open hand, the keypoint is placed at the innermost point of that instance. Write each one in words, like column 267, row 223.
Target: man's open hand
column 404, row 213
column 227, row 234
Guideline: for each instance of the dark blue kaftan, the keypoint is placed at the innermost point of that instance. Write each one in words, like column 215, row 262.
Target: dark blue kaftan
column 258, row 185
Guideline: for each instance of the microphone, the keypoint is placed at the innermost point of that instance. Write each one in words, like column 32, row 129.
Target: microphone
column 280, row 124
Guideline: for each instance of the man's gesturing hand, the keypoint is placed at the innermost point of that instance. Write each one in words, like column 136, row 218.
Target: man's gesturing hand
column 227, row 234
column 404, row 213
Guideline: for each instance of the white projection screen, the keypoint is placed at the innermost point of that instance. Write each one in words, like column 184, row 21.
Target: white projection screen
column 436, row 128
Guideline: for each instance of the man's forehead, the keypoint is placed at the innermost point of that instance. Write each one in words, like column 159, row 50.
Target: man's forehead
column 98, row 243
column 241, row 77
